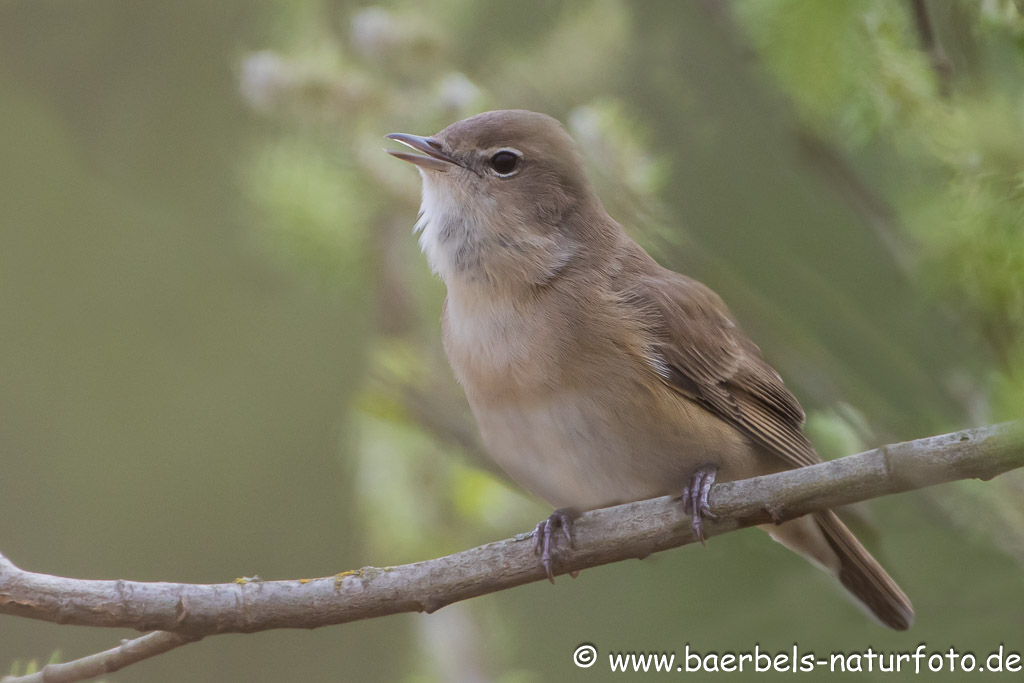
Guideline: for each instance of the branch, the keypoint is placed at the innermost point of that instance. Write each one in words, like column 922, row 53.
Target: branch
column 108, row 661
column 940, row 63
column 634, row 530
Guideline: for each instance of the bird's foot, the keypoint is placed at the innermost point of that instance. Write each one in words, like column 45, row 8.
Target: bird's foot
column 544, row 537
column 695, row 499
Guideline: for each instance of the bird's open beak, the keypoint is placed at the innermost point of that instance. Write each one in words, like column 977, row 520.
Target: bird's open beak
column 436, row 158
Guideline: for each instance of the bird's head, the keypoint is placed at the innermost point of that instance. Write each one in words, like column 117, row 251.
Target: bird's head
column 505, row 197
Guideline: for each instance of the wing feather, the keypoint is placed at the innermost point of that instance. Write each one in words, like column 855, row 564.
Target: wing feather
column 710, row 360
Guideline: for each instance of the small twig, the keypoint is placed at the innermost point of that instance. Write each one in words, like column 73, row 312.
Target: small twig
column 603, row 536
column 932, row 47
column 108, row 661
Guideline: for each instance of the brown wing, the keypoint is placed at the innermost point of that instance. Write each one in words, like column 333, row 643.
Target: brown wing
column 701, row 353
column 704, row 355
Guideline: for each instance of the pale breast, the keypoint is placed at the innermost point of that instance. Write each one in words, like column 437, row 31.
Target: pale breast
column 497, row 350
column 572, row 408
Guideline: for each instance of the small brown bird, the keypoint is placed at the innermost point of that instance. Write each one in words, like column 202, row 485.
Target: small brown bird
column 596, row 376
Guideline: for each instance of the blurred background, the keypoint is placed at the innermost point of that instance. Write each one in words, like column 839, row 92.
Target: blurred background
column 220, row 351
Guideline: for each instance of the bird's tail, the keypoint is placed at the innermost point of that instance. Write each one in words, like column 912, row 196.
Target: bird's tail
column 861, row 574
column 823, row 539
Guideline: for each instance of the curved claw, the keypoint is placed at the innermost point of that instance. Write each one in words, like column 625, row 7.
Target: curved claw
column 695, row 499
column 546, row 531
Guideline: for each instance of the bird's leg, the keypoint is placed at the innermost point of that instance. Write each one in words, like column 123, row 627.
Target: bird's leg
column 546, row 532
column 695, row 498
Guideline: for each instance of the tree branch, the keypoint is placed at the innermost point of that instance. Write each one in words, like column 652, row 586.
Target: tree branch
column 940, row 63
column 603, row 536
column 108, row 661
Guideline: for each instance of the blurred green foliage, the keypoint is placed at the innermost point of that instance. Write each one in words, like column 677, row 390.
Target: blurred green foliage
column 223, row 353
column 857, row 80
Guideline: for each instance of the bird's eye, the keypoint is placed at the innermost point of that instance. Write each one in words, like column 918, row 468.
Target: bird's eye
column 504, row 162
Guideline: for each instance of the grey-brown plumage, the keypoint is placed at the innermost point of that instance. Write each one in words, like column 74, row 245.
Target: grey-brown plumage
column 595, row 375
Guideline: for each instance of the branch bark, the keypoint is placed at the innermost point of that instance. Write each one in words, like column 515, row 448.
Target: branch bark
column 108, row 661
column 634, row 530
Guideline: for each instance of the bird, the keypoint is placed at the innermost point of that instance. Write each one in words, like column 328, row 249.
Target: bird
column 596, row 376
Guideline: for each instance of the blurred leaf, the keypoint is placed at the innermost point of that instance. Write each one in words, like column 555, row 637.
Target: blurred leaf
column 309, row 209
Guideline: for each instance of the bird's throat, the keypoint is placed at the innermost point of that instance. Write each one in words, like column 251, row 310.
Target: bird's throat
column 470, row 244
